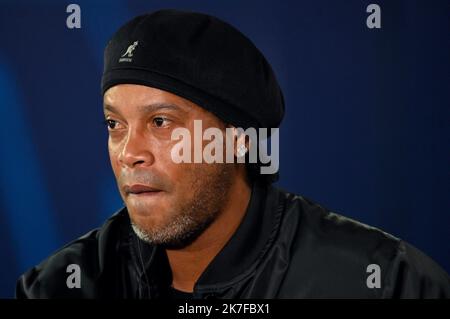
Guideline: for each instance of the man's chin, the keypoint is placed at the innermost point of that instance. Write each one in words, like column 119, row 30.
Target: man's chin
column 147, row 217
column 171, row 232
column 174, row 242
column 148, row 232
column 144, row 206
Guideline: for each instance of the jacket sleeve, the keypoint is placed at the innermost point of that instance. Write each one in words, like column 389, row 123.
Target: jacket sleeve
column 413, row 274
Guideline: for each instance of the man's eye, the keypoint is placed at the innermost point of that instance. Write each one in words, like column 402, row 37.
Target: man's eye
column 160, row 121
column 111, row 124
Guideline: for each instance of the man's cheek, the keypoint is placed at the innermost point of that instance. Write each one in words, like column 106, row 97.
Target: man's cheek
column 113, row 151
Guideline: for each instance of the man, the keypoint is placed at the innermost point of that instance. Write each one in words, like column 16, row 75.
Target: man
column 202, row 229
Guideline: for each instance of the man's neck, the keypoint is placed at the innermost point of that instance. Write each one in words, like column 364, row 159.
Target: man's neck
column 188, row 264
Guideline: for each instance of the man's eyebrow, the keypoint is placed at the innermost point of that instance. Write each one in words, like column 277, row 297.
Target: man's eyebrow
column 148, row 108
column 158, row 106
column 107, row 107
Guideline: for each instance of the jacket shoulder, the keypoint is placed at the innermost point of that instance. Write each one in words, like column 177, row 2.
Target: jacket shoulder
column 317, row 225
column 83, row 257
column 335, row 256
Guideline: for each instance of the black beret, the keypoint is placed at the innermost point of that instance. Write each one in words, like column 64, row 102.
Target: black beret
column 200, row 58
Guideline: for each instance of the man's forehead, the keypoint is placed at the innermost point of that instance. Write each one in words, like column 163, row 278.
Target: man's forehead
column 143, row 99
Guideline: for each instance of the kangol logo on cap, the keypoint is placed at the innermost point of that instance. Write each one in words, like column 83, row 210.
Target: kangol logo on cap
column 127, row 56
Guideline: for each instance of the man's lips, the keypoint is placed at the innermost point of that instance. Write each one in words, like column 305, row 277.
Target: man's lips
column 139, row 189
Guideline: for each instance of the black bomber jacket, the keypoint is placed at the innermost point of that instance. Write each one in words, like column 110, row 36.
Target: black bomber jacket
column 285, row 247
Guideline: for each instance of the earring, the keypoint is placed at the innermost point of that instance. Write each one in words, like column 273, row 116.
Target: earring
column 241, row 150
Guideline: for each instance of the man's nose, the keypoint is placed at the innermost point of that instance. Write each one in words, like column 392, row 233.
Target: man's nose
column 136, row 150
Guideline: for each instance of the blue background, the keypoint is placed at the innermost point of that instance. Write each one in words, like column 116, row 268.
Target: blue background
column 366, row 131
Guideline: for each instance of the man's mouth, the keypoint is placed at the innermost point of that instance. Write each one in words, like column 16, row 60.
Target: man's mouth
column 141, row 190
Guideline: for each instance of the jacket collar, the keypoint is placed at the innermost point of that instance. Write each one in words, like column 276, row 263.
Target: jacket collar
column 237, row 259
column 246, row 247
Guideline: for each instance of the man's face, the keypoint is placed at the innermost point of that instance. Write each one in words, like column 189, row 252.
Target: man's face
column 168, row 203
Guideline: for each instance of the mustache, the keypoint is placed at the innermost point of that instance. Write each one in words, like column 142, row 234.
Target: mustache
column 139, row 176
